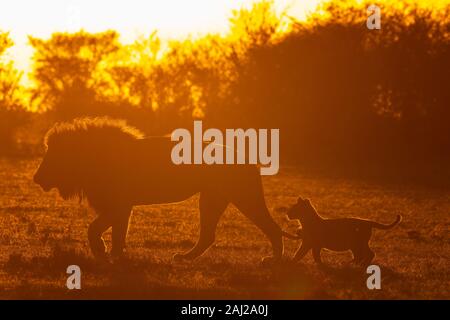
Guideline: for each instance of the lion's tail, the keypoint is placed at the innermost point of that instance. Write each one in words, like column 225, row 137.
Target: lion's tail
column 290, row 236
column 387, row 226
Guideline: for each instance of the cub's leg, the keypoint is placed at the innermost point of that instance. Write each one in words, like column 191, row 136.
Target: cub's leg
column 368, row 255
column 301, row 252
column 95, row 232
column 120, row 221
column 357, row 255
column 212, row 207
column 316, row 255
column 368, row 260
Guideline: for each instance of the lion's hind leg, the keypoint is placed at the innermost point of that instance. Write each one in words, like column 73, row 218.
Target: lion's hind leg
column 120, row 223
column 95, row 232
column 212, row 207
column 257, row 211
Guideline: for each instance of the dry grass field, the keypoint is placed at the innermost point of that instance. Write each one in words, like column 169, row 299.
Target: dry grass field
column 40, row 235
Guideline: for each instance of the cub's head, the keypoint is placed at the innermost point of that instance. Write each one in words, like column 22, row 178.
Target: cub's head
column 302, row 210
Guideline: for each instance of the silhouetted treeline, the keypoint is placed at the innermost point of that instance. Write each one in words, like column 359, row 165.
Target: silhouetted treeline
column 346, row 98
column 12, row 111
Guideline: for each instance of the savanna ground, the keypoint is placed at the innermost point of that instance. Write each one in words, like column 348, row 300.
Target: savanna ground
column 40, row 235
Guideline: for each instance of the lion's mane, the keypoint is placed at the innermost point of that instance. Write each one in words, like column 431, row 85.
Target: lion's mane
column 84, row 146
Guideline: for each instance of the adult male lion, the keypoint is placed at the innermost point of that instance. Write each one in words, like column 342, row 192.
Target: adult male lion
column 115, row 168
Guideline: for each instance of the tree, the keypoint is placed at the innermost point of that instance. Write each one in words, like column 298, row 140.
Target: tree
column 64, row 69
column 12, row 112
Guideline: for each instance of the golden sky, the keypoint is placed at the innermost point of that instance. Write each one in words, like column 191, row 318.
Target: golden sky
column 172, row 18
column 132, row 18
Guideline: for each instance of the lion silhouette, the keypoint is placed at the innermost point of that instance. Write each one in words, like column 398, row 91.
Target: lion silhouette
column 115, row 168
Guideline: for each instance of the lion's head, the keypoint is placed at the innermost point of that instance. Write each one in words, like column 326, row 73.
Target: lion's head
column 76, row 152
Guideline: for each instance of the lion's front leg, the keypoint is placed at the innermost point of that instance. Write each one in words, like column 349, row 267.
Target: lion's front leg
column 95, row 232
column 119, row 232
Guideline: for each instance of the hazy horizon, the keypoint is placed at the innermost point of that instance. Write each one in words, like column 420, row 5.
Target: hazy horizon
column 192, row 18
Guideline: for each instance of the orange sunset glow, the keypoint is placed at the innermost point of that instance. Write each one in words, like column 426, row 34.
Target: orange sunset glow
column 132, row 19
column 218, row 149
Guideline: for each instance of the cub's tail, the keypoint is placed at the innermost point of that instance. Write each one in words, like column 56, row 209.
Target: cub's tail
column 387, row 226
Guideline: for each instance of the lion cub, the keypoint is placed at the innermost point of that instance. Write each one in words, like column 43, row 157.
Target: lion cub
column 334, row 234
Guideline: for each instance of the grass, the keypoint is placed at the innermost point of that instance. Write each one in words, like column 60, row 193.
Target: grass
column 40, row 235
